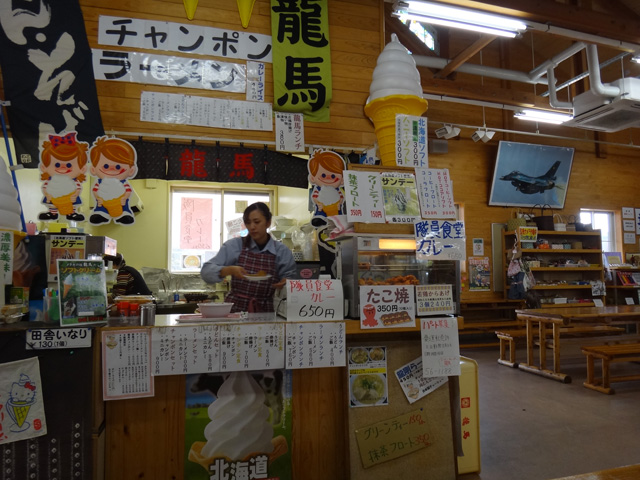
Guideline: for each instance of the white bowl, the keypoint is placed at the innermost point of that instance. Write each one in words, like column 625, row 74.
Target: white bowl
column 215, row 309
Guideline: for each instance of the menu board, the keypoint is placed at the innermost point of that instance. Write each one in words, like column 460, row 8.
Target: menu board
column 251, row 346
column 185, row 349
column 435, row 191
column 434, row 300
column 126, row 364
column 411, row 141
column 315, row 345
column 363, row 196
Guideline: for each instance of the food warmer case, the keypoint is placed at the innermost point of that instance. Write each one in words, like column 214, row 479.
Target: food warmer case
column 367, row 259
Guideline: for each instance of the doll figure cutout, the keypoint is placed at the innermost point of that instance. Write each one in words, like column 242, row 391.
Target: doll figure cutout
column 63, row 163
column 113, row 162
column 327, row 193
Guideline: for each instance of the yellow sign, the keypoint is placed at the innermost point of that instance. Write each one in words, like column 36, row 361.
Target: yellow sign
column 241, row 205
column 393, row 438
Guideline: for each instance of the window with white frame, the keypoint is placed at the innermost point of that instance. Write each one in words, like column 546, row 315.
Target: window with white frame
column 202, row 219
column 603, row 221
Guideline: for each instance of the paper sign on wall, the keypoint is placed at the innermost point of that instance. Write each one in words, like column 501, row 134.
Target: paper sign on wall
column 440, row 240
column 400, row 196
column 434, row 300
column 315, row 345
column 440, row 347
column 126, row 364
column 314, row 300
column 289, row 132
column 185, row 349
column 414, row 384
column 255, row 81
column 387, row 306
column 393, row 438
column 411, row 141
column 368, row 375
column 435, row 191
column 6, row 259
column 253, row 346
column 363, row 197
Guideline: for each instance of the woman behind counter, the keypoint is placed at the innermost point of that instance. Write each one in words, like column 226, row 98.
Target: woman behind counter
column 129, row 280
column 257, row 253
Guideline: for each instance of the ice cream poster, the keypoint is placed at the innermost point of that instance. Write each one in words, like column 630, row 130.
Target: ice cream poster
column 82, row 291
column 21, row 402
column 113, row 163
column 238, row 425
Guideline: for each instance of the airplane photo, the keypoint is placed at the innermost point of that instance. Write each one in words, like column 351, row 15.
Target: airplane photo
column 528, row 184
column 528, row 174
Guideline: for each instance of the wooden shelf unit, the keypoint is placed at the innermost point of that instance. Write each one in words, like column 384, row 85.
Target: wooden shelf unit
column 619, row 292
column 555, row 282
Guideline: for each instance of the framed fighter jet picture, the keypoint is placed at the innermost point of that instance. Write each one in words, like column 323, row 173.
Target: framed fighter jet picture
column 527, row 174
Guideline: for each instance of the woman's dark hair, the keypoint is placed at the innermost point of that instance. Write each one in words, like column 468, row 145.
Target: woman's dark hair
column 117, row 259
column 261, row 207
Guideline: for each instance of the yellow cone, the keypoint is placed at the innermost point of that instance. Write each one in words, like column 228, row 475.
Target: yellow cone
column 382, row 112
column 190, row 8
column 245, row 7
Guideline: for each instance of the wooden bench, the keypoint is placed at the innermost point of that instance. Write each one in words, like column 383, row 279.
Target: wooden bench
column 508, row 338
column 608, row 354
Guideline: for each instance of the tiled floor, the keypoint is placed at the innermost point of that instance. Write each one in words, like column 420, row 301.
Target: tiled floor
column 533, row 428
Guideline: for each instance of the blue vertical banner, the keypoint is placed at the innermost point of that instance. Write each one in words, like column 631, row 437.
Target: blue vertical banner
column 47, row 74
column 301, row 58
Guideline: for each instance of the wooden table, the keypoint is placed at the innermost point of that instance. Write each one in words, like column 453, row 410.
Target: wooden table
column 555, row 318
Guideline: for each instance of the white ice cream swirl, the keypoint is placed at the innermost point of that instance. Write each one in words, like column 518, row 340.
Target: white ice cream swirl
column 239, row 420
column 395, row 72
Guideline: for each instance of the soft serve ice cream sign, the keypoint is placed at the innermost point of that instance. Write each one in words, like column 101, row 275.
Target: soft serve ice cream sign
column 240, row 440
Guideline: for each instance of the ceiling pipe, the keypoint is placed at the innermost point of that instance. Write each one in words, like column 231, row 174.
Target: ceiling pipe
column 595, row 81
column 556, row 60
column 553, row 97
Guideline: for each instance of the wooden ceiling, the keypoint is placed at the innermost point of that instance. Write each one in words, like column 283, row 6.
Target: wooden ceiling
column 605, row 19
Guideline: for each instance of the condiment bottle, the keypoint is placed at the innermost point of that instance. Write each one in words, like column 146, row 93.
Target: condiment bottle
column 123, row 309
column 134, row 310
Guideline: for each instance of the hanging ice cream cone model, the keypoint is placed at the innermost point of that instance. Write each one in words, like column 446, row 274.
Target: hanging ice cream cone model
column 245, row 7
column 64, row 204
column 395, row 89
column 190, row 8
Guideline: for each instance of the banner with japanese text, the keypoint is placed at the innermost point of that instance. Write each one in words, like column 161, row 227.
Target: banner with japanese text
column 47, row 75
column 301, row 58
column 440, row 240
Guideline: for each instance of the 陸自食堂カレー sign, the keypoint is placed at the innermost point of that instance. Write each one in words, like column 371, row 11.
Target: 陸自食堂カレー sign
column 315, row 299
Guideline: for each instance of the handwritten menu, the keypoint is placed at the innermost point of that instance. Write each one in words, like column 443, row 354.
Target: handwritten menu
column 126, row 364
column 440, row 347
column 411, row 141
column 185, row 349
column 363, row 196
column 440, row 240
column 315, row 345
column 434, row 300
column 435, row 191
column 255, row 81
column 251, row 346
column 289, row 132
column 195, row 223
column 387, row 306
column 368, row 376
column 393, row 438
column 315, row 299
column 414, row 384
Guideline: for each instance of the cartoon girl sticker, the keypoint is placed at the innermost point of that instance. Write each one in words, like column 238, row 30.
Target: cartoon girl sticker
column 63, row 163
column 113, row 161
column 326, row 175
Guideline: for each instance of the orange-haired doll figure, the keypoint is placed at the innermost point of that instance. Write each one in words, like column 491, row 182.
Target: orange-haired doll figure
column 326, row 175
column 113, row 161
column 63, row 163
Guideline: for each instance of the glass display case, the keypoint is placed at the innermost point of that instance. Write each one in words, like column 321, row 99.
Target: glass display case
column 368, row 259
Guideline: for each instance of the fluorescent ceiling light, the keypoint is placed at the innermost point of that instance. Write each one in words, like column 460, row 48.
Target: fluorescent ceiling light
column 447, row 131
column 636, row 58
column 459, row 18
column 484, row 135
column 543, row 116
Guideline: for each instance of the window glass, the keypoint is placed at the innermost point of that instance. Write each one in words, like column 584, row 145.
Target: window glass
column 603, row 221
column 202, row 220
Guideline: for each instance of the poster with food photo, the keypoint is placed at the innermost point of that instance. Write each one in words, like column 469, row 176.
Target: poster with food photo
column 368, row 376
